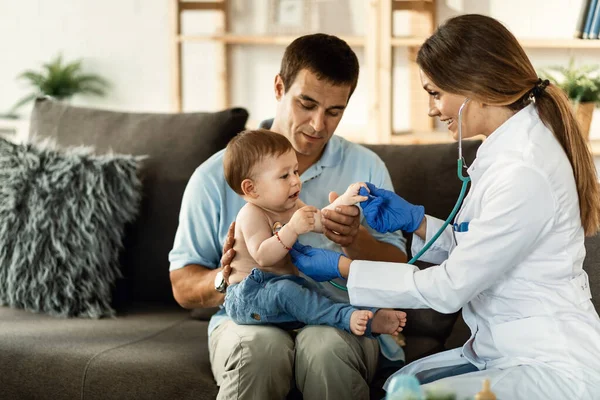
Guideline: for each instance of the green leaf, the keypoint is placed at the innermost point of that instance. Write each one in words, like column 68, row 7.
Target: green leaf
column 65, row 79
column 581, row 84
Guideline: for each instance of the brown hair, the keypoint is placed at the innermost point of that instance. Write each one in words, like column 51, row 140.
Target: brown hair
column 246, row 150
column 476, row 56
column 328, row 57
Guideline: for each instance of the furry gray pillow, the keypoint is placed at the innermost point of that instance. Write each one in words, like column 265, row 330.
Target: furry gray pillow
column 62, row 219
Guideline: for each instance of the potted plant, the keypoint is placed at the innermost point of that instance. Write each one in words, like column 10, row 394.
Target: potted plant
column 62, row 81
column 582, row 86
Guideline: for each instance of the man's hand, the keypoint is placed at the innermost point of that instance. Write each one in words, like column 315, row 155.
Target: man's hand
column 341, row 225
column 228, row 252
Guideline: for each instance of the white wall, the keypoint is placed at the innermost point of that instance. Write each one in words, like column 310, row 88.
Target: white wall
column 124, row 40
column 127, row 41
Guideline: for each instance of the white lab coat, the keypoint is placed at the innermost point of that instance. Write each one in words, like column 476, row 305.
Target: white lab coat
column 517, row 274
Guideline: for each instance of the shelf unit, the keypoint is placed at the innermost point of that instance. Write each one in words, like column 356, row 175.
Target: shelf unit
column 378, row 43
column 378, row 60
column 223, row 39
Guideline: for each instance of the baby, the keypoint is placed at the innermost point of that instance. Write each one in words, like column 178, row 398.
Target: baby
column 265, row 287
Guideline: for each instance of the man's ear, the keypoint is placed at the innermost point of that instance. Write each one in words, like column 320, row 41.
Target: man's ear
column 249, row 189
column 279, row 87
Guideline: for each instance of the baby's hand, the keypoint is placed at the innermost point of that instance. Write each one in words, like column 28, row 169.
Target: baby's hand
column 303, row 220
column 351, row 196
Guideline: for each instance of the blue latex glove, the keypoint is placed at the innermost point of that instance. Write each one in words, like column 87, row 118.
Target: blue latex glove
column 385, row 211
column 320, row 264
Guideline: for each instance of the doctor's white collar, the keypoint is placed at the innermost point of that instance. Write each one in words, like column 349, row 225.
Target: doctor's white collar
column 512, row 133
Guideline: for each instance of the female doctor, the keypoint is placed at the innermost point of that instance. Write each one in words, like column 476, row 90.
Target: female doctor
column 513, row 262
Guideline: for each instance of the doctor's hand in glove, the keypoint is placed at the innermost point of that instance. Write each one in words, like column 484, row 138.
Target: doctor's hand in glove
column 320, row 264
column 385, row 211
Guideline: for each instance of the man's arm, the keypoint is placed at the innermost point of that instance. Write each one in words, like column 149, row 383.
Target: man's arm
column 194, row 287
column 366, row 247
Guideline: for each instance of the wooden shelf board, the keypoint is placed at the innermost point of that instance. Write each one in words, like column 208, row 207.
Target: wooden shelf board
column 595, row 147
column 410, row 41
column 560, row 43
column 258, row 39
column 201, row 5
column 446, row 137
column 434, row 137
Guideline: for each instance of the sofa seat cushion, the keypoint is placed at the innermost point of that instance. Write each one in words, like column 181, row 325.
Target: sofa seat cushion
column 147, row 353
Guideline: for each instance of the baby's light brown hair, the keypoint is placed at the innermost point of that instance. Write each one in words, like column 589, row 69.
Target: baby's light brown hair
column 247, row 149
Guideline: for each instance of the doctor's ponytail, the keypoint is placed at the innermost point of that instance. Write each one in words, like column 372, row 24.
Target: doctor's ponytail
column 476, row 56
column 556, row 112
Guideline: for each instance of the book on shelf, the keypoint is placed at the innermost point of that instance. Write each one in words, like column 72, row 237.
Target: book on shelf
column 595, row 27
column 591, row 10
column 585, row 6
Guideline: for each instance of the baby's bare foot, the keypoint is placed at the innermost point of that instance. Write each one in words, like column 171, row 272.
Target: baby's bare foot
column 359, row 320
column 388, row 321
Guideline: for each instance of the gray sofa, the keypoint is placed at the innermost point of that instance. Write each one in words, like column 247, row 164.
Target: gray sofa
column 154, row 349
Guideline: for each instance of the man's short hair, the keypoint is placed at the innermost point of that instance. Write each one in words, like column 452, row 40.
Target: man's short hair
column 247, row 149
column 328, row 57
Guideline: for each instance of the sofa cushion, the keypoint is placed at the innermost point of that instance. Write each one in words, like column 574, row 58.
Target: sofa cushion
column 175, row 143
column 62, row 219
column 146, row 353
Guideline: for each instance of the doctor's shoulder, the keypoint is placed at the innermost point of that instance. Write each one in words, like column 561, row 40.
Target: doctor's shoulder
column 519, row 181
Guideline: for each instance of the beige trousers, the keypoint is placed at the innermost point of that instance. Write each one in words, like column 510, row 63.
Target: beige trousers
column 259, row 362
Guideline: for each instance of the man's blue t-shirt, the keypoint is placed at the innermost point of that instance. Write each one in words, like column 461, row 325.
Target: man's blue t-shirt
column 209, row 206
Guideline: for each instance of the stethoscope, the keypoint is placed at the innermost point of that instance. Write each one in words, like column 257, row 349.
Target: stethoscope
column 461, row 164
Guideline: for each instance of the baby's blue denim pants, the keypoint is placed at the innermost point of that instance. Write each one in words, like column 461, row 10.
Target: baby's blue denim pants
column 283, row 300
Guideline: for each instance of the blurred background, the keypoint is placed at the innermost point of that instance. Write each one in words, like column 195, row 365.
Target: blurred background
column 130, row 44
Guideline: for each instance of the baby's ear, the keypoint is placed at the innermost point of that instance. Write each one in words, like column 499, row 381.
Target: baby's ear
column 248, row 188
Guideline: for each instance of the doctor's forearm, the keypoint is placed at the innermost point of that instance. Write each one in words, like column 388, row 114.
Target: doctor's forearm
column 422, row 229
column 366, row 247
column 344, row 266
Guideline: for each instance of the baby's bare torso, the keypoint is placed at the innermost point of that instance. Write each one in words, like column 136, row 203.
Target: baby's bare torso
column 243, row 263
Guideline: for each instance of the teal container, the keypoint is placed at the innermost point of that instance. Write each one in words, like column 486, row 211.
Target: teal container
column 404, row 387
